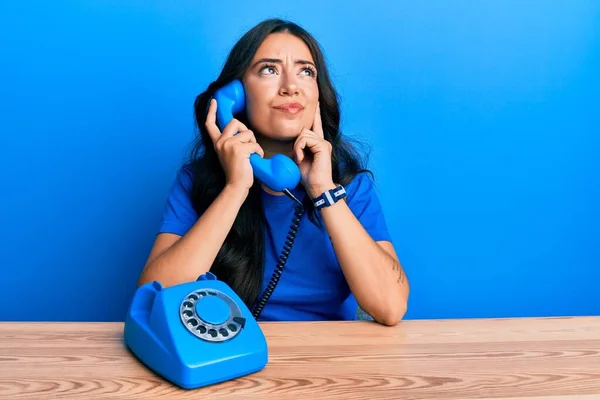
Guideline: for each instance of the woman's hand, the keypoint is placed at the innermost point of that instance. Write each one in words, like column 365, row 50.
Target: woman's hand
column 233, row 150
column 312, row 153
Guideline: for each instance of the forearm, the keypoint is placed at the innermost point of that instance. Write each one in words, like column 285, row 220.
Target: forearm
column 375, row 276
column 194, row 253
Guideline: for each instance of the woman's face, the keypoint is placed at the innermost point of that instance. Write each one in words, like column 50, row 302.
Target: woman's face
column 281, row 87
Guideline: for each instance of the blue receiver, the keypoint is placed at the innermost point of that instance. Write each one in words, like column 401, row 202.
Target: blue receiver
column 278, row 172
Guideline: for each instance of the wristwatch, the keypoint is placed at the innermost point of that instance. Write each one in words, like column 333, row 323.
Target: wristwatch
column 329, row 197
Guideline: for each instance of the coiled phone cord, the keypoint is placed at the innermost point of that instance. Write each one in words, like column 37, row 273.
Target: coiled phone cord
column 298, row 210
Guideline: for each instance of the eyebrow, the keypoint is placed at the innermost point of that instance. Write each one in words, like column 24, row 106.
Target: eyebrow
column 278, row 61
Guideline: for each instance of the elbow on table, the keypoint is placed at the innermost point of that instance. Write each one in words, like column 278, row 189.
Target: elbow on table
column 395, row 315
column 392, row 314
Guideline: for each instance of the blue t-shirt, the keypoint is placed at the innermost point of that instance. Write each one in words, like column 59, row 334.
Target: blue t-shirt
column 312, row 286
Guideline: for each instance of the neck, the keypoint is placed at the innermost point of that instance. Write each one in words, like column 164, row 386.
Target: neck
column 272, row 147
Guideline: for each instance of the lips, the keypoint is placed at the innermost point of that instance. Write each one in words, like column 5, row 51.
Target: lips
column 290, row 108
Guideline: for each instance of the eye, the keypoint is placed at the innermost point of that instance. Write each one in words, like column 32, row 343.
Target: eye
column 309, row 71
column 267, row 70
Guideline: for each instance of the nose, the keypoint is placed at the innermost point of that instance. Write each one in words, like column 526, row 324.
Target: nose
column 289, row 86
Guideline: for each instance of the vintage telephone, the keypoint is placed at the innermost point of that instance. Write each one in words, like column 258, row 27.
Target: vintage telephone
column 200, row 333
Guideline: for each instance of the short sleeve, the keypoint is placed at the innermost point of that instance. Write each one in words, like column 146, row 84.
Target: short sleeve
column 179, row 214
column 363, row 201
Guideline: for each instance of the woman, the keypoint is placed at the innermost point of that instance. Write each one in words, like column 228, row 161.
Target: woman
column 219, row 218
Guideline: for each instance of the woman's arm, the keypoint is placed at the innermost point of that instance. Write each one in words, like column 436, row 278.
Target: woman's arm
column 176, row 259
column 371, row 268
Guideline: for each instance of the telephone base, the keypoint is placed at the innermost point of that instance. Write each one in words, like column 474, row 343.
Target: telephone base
column 194, row 334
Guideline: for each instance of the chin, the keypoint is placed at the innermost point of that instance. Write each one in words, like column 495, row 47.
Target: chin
column 285, row 131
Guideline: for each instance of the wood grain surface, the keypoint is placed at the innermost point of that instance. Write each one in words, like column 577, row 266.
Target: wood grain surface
column 501, row 359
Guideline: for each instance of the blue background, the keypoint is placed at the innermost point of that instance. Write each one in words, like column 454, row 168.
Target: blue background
column 483, row 118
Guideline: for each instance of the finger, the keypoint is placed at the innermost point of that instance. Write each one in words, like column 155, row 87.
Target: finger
column 299, row 148
column 233, row 128
column 211, row 124
column 256, row 148
column 250, row 148
column 302, row 141
column 312, row 143
column 245, row 137
column 317, row 123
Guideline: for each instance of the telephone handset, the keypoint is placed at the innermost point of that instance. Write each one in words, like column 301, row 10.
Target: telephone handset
column 278, row 172
column 200, row 333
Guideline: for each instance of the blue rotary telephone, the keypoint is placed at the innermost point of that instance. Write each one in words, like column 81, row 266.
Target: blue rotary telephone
column 194, row 334
column 200, row 333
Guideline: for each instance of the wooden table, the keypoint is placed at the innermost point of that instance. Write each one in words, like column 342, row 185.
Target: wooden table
column 545, row 358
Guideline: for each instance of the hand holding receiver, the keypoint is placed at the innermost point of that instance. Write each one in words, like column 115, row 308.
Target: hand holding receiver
column 234, row 146
column 278, row 172
column 194, row 334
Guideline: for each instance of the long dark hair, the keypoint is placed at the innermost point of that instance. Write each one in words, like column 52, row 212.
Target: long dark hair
column 240, row 260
